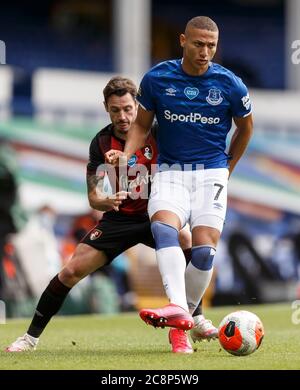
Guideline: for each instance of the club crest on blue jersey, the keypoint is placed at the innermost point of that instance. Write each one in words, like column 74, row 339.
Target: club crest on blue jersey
column 191, row 93
column 214, row 97
column 147, row 152
column 132, row 160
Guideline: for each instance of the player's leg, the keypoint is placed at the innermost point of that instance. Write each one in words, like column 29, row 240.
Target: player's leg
column 184, row 237
column 208, row 209
column 185, row 240
column 108, row 239
column 177, row 338
column 171, row 261
column 167, row 209
column 172, row 265
column 85, row 260
column 199, row 270
column 207, row 219
column 198, row 277
column 204, row 327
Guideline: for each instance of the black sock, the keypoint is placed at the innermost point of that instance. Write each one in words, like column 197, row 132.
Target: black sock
column 198, row 310
column 49, row 304
column 188, row 255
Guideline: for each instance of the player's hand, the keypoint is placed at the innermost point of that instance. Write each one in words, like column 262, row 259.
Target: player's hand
column 115, row 200
column 116, row 157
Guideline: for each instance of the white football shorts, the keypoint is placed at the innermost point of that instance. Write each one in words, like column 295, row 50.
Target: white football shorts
column 198, row 197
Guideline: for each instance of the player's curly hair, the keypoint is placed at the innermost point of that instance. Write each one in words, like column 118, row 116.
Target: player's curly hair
column 119, row 86
column 203, row 23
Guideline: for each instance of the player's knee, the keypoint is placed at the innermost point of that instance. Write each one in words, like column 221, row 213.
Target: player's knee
column 202, row 257
column 165, row 236
column 208, row 236
column 70, row 276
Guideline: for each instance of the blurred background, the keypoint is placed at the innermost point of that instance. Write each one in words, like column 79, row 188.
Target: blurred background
column 59, row 55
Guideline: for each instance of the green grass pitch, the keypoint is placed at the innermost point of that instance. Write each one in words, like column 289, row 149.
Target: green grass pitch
column 124, row 342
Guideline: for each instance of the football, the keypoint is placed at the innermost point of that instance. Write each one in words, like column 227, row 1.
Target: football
column 241, row 333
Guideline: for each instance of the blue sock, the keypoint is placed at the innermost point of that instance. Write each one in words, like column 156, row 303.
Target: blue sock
column 164, row 235
column 202, row 257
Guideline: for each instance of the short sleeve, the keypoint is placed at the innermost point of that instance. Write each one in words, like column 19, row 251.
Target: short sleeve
column 96, row 157
column 145, row 93
column 240, row 99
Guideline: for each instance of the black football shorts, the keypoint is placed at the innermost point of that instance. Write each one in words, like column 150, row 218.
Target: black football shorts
column 117, row 232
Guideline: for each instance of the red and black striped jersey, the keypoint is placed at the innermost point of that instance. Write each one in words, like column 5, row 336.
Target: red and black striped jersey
column 136, row 177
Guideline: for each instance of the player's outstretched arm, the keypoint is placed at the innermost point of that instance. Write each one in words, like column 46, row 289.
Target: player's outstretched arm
column 240, row 139
column 98, row 199
column 139, row 131
column 136, row 138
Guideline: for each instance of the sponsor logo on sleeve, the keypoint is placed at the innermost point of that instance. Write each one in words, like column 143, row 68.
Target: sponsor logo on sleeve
column 132, row 161
column 246, row 101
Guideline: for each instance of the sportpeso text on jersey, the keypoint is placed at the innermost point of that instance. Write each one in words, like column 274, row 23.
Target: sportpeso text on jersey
column 192, row 117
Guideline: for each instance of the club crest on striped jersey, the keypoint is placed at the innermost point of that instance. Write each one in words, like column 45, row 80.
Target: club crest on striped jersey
column 147, row 152
column 96, row 233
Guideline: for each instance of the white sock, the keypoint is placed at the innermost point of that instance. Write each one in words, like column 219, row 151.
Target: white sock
column 172, row 264
column 197, row 319
column 33, row 340
column 196, row 282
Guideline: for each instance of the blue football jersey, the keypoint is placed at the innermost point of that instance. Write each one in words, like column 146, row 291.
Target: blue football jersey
column 194, row 113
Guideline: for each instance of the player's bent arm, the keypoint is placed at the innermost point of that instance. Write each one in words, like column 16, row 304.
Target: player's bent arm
column 240, row 139
column 98, row 199
column 139, row 131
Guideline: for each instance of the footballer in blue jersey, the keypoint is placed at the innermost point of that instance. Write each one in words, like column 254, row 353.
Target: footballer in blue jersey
column 194, row 113
column 194, row 101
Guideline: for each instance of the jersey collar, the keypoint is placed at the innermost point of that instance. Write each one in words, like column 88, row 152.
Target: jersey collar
column 210, row 65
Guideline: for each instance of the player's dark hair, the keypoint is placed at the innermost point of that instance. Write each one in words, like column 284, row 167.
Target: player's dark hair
column 119, row 86
column 203, row 23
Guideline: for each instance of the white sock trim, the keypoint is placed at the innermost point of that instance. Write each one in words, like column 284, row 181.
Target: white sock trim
column 33, row 340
